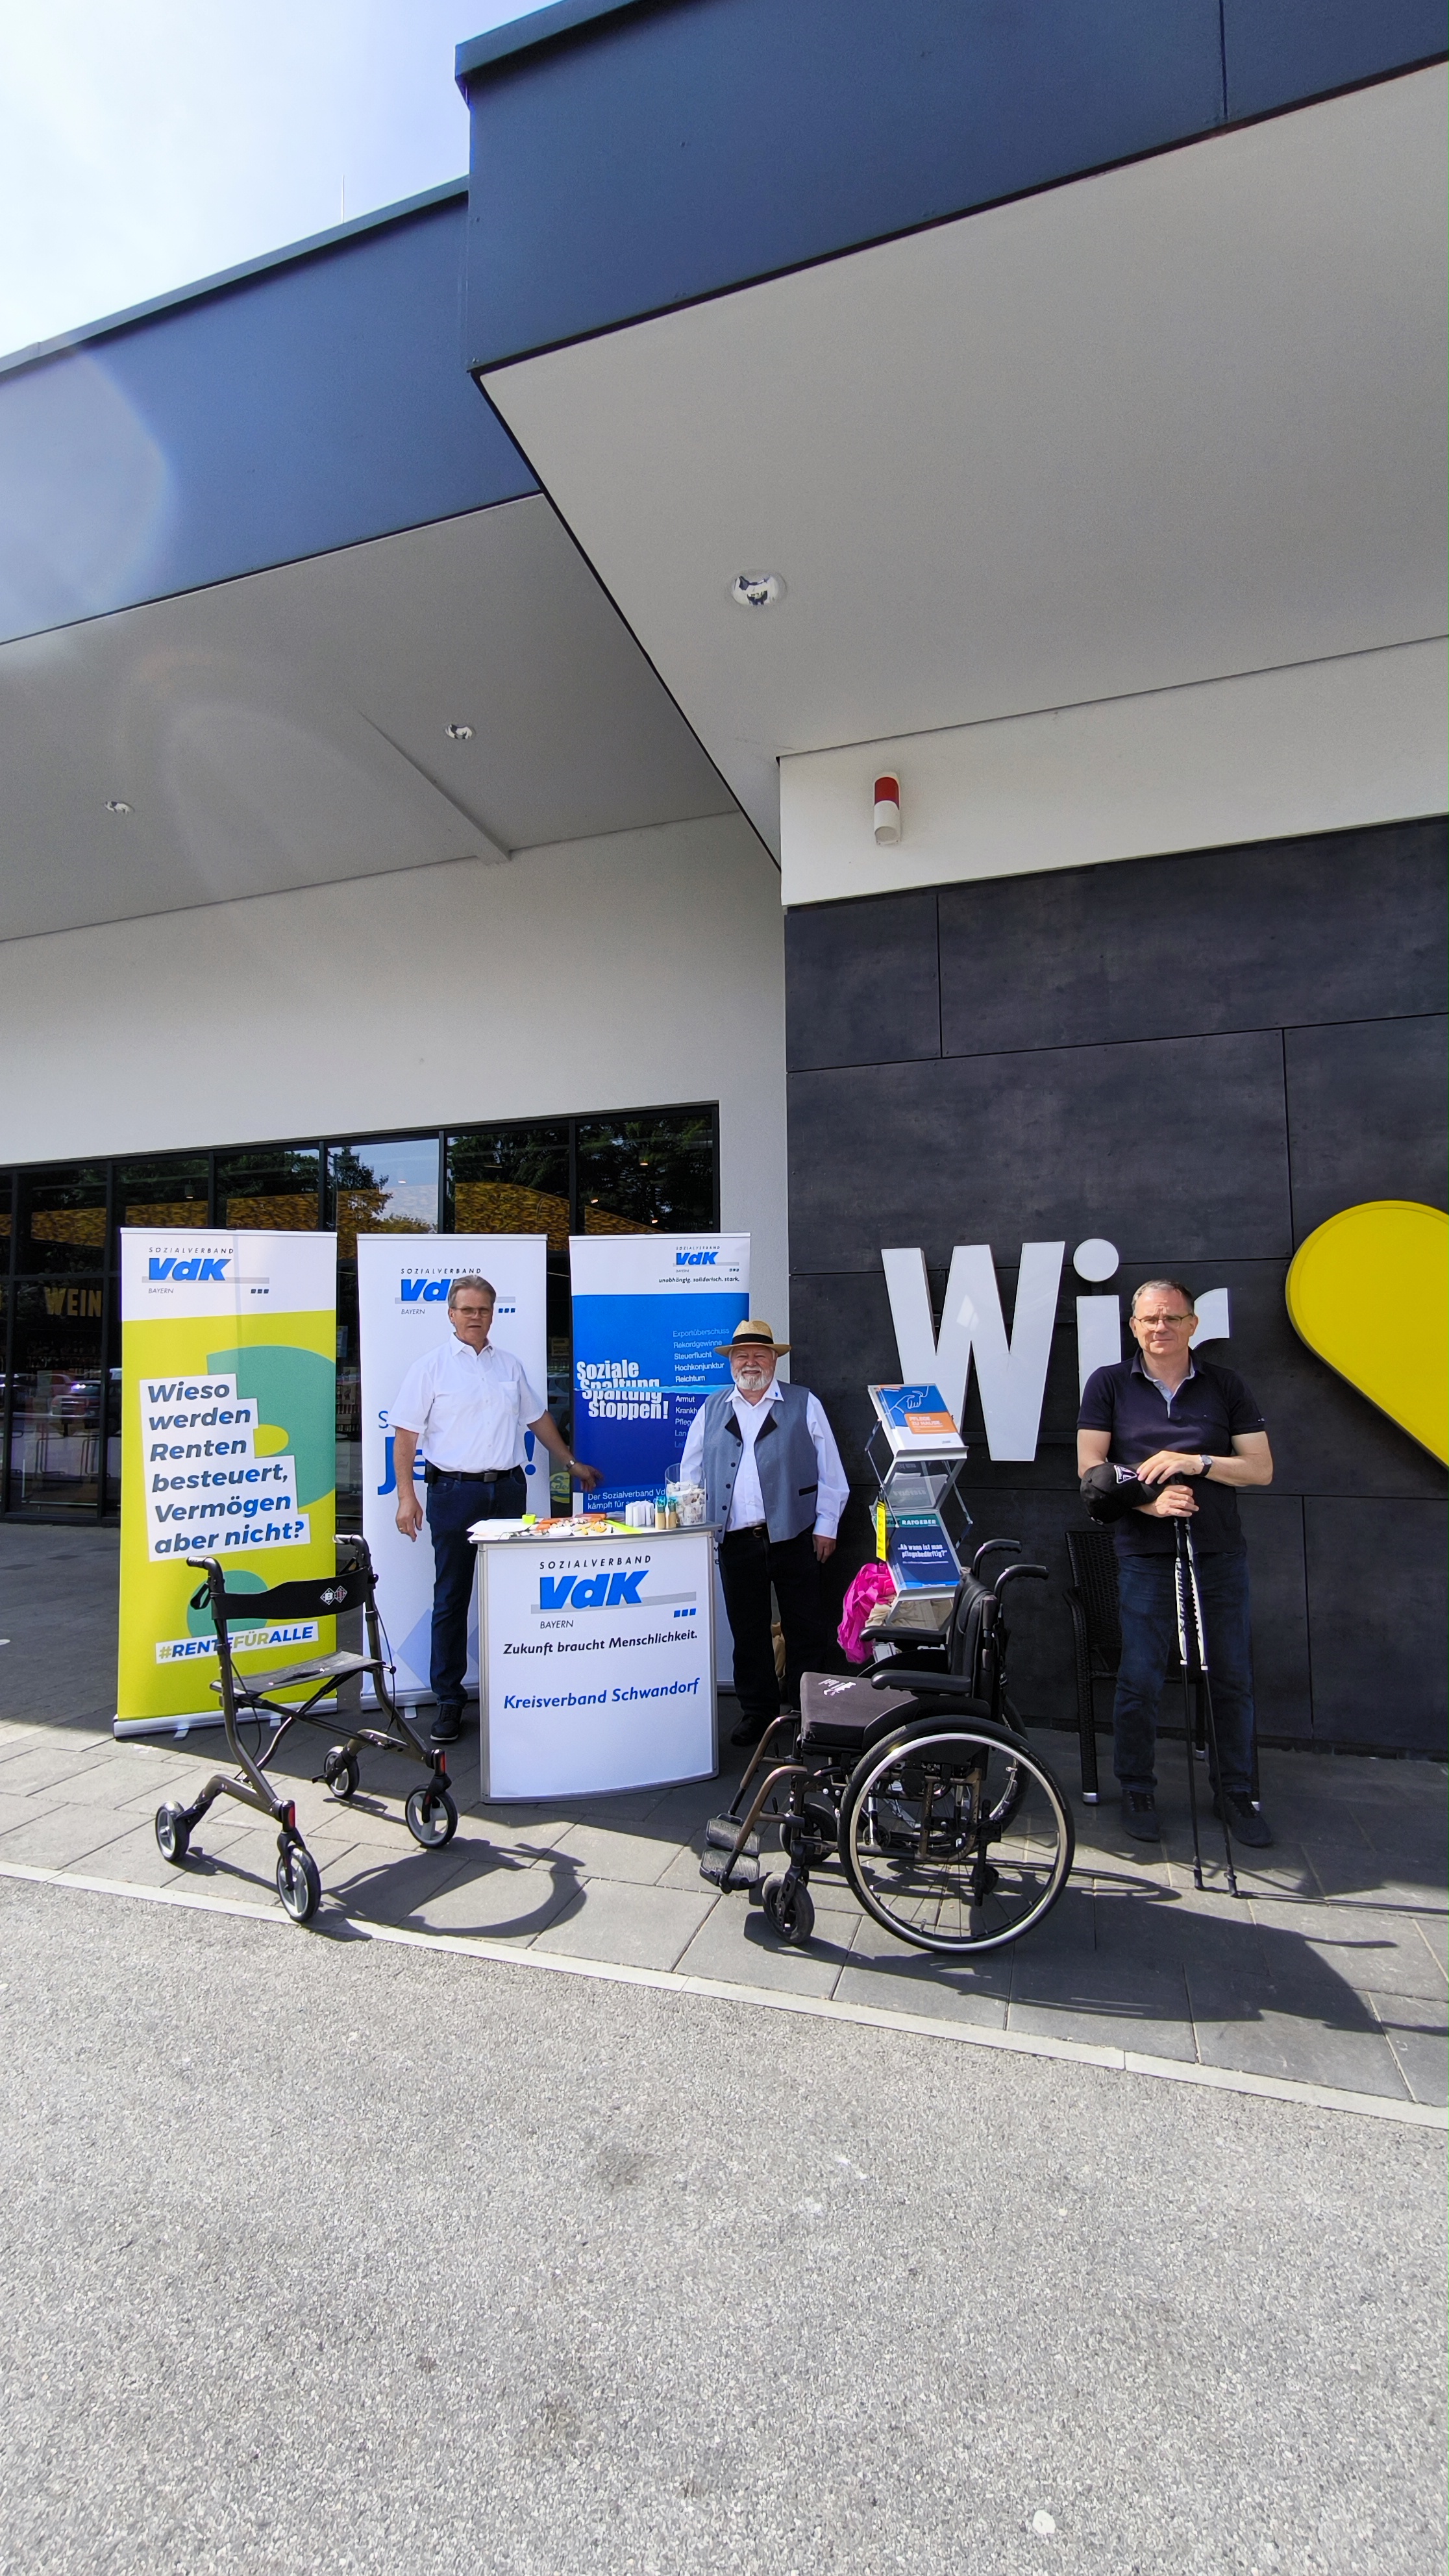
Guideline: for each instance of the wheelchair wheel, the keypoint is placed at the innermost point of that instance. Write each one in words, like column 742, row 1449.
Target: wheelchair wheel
column 432, row 1817
column 789, row 1909
column 173, row 1834
column 299, row 1882
column 954, row 1840
column 342, row 1772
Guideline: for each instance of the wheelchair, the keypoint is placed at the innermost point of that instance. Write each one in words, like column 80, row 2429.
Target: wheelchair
column 431, row 1810
column 916, row 1781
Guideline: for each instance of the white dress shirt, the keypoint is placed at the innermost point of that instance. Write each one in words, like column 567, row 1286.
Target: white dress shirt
column 468, row 1408
column 747, row 1503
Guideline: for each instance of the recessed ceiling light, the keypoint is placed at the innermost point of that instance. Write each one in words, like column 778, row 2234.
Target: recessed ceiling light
column 117, row 805
column 756, row 589
column 460, row 733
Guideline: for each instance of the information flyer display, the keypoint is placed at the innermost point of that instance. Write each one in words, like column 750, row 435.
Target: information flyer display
column 229, row 1412
column 402, row 1311
column 650, row 1312
column 599, row 1663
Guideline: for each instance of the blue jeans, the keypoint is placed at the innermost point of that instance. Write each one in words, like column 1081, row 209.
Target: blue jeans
column 1146, row 1588
column 454, row 1503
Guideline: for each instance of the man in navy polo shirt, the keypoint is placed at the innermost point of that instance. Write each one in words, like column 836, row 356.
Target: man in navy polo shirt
column 1169, row 1419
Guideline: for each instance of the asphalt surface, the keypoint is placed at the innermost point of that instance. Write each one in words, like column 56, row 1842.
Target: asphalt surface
column 321, row 2254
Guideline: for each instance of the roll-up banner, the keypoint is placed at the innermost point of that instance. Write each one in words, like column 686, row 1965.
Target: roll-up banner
column 650, row 1311
column 228, row 1449
column 402, row 1311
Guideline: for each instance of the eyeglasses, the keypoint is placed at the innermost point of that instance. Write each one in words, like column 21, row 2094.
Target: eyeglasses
column 1164, row 1319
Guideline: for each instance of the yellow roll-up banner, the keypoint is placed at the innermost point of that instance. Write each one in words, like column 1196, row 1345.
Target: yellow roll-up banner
column 228, row 1450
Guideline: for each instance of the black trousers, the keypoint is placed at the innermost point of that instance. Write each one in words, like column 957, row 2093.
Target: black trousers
column 748, row 1567
column 454, row 1503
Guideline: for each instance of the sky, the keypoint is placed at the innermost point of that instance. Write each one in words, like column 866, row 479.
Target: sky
column 148, row 143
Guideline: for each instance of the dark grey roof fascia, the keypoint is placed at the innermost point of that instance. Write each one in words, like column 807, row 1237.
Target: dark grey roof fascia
column 39, row 350
column 540, row 27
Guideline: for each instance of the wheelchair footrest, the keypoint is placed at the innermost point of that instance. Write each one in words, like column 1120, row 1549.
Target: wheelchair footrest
column 723, row 1832
column 744, row 1872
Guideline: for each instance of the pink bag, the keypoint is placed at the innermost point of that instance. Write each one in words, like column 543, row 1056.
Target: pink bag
column 873, row 1583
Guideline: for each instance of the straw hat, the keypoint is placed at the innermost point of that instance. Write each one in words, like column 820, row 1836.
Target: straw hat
column 753, row 1333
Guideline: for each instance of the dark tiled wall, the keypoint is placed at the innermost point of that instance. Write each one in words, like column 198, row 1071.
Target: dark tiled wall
column 1200, row 1057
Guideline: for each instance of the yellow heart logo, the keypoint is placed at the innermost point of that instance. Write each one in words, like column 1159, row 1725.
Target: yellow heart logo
column 1368, row 1292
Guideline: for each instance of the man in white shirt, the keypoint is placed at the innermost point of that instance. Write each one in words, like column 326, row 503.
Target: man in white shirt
column 470, row 1406
column 773, row 1480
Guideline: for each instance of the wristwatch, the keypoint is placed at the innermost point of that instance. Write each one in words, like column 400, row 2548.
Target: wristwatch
column 1206, row 1461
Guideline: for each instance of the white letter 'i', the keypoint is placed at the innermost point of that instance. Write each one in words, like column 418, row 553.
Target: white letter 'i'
column 1099, row 1319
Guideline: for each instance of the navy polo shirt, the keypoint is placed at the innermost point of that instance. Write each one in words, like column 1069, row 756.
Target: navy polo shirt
column 1210, row 1407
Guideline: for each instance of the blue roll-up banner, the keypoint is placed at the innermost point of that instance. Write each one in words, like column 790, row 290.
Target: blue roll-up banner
column 650, row 1311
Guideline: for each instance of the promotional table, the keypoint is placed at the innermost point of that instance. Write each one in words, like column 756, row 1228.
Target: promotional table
column 596, row 1661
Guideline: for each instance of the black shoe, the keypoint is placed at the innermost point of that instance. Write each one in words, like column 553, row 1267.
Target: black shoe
column 1245, row 1823
column 749, row 1731
column 447, row 1726
column 1139, row 1815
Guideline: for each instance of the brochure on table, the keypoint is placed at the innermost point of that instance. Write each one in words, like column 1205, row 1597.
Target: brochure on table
column 402, row 1307
column 598, row 1662
column 229, row 1396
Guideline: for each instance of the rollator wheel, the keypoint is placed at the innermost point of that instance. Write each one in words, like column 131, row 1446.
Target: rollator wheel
column 789, row 1909
column 953, row 1840
column 299, row 1882
column 432, row 1816
column 173, row 1833
column 342, row 1772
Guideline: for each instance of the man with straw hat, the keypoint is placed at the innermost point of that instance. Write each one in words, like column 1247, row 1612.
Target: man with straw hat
column 775, row 1487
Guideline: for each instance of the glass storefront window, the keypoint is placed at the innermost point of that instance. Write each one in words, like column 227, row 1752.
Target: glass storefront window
column 60, row 1404
column 383, row 1189
column 272, row 1188
column 113, row 1411
column 62, row 1218
column 510, row 1180
column 655, row 1170
column 55, row 1413
column 163, row 1189
column 515, row 1180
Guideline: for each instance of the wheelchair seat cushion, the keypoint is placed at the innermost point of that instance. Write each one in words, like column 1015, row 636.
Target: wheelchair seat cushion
column 845, row 1715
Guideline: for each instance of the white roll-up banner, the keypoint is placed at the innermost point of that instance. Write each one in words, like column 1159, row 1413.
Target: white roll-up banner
column 402, row 1311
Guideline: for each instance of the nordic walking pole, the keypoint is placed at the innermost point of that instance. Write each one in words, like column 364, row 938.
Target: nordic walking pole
column 1214, row 1764
column 1186, row 1661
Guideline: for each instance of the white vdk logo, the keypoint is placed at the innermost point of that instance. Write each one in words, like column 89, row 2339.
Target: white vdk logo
column 1011, row 1374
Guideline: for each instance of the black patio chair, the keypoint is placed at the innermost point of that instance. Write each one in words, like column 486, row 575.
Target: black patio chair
column 1096, row 1635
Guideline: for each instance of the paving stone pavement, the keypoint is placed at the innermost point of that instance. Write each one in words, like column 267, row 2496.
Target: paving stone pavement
column 1329, row 1969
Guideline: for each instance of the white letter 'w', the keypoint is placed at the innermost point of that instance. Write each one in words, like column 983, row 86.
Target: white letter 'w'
column 1011, row 1375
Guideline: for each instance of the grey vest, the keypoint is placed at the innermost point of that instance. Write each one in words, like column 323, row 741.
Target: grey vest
column 785, row 1460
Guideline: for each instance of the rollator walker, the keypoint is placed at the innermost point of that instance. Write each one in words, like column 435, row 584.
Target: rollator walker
column 431, row 1810
column 916, row 1782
